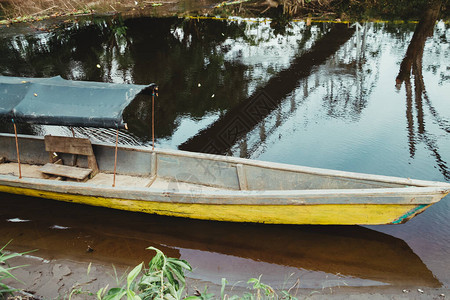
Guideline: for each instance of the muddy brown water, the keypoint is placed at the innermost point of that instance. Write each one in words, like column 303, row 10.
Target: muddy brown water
column 318, row 255
column 334, row 96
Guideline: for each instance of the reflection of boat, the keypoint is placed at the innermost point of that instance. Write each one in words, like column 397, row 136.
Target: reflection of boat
column 60, row 230
column 177, row 183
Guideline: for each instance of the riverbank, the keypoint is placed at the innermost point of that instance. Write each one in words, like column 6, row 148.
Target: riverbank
column 13, row 11
column 16, row 11
column 45, row 278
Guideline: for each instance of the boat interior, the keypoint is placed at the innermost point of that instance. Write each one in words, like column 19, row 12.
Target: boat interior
column 77, row 159
column 78, row 169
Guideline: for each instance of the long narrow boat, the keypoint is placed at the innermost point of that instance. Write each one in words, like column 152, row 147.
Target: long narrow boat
column 178, row 183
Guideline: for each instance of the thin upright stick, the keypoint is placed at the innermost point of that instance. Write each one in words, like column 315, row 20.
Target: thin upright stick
column 17, row 149
column 115, row 157
column 153, row 120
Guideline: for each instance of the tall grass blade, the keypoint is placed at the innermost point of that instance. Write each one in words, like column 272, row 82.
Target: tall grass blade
column 133, row 274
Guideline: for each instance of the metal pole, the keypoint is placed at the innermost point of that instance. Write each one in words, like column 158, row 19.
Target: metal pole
column 153, row 120
column 17, row 149
column 115, row 157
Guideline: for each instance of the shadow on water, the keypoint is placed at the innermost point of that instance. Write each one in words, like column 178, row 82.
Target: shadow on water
column 67, row 230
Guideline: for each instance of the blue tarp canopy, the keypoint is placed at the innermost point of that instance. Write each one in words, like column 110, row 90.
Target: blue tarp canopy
column 56, row 101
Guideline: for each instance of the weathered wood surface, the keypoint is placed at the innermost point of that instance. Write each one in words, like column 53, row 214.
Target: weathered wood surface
column 70, row 145
column 64, row 144
column 66, row 171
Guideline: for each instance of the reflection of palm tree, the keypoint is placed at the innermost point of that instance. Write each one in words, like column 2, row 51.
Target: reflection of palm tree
column 414, row 54
column 412, row 63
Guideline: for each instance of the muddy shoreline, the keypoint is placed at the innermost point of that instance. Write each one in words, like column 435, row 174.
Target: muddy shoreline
column 64, row 278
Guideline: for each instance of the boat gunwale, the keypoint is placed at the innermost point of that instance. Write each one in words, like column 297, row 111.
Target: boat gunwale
column 409, row 183
column 286, row 167
column 417, row 195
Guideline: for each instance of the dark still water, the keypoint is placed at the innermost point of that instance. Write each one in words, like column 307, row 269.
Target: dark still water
column 370, row 98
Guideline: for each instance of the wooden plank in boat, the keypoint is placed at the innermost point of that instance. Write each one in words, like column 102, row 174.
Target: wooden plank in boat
column 66, row 171
column 77, row 146
column 64, row 144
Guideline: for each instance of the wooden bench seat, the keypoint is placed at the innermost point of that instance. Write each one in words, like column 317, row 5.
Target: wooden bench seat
column 77, row 173
column 74, row 146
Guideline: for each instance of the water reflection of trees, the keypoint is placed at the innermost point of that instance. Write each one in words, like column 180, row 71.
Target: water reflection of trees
column 227, row 59
column 185, row 59
column 416, row 93
column 354, row 74
column 341, row 66
column 234, row 127
column 177, row 54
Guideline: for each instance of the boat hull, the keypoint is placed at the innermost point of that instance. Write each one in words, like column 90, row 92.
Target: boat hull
column 318, row 214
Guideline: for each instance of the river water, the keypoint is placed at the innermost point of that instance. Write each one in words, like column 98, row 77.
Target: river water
column 337, row 97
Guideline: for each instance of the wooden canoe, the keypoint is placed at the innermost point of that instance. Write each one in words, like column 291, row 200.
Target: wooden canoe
column 212, row 187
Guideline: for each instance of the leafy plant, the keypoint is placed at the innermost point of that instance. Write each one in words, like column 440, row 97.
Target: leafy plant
column 259, row 286
column 165, row 277
column 164, row 280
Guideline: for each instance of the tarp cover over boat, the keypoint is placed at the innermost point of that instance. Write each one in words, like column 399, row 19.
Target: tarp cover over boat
column 56, row 101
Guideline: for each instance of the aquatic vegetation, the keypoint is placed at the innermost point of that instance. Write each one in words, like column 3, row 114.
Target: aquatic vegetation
column 5, row 272
column 165, row 280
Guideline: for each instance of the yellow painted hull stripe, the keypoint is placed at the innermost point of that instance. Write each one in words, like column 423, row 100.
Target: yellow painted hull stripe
column 345, row 214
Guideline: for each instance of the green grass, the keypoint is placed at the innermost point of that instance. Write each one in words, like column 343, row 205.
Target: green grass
column 5, row 272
